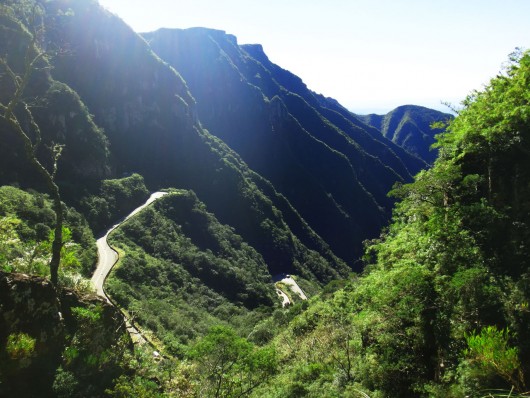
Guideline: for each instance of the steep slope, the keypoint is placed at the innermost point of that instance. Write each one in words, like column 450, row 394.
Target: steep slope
column 278, row 127
column 57, row 109
column 367, row 137
column 150, row 120
column 317, row 182
column 439, row 312
column 409, row 126
column 201, row 268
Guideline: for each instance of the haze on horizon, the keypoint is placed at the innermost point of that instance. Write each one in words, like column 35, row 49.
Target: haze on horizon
column 371, row 56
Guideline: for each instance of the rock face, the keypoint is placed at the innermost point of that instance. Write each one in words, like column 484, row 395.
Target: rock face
column 37, row 324
column 327, row 163
column 150, row 120
column 30, row 306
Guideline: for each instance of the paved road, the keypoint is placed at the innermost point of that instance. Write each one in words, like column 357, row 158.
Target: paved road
column 293, row 286
column 283, row 297
column 108, row 257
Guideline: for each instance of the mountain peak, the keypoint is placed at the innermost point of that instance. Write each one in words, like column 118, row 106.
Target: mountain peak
column 196, row 31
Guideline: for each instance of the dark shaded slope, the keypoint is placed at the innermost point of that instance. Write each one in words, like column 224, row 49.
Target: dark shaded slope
column 409, row 126
column 283, row 135
column 134, row 96
column 369, row 138
column 150, row 120
column 60, row 113
column 53, row 318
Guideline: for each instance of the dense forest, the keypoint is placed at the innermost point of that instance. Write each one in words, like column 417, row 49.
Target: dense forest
column 415, row 259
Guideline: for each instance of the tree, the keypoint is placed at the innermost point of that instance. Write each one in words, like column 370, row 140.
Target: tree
column 490, row 352
column 16, row 113
column 229, row 365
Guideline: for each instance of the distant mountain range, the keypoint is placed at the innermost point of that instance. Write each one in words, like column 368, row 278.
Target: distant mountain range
column 299, row 177
column 409, row 126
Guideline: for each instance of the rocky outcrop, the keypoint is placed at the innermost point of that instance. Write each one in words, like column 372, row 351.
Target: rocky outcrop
column 37, row 324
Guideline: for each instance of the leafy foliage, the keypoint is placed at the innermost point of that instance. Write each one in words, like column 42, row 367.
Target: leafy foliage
column 26, row 221
column 490, row 352
column 183, row 271
column 230, row 366
column 20, row 345
column 116, row 199
column 442, row 307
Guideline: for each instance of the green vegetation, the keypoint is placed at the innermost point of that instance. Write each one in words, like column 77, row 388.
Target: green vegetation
column 26, row 231
column 91, row 358
column 56, row 342
column 116, row 199
column 440, row 310
column 20, row 345
column 411, row 127
column 230, row 366
column 34, row 58
column 489, row 353
column 184, row 272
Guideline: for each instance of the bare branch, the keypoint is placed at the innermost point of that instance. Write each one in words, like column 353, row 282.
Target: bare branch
column 34, row 126
column 10, row 72
column 57, row 149
column 21, row 82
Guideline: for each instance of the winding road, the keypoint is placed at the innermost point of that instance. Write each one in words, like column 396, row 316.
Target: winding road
column 288, row 281
column 108, row 257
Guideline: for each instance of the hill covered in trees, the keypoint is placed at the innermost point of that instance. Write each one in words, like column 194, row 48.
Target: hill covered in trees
column 411, row 127
column 273, row 153
column 441, row 309
column 315, row 153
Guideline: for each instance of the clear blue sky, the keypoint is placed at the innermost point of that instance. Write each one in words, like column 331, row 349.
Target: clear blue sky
column 371, row 55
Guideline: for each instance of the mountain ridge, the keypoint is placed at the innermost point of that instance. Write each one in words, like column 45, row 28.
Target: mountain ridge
column 220, row 73
column 409, row 126
column 224, row 121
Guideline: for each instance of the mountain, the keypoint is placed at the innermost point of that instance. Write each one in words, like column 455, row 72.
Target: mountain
column 438, row 312
column 409, row 126
column 147, row 120
column 292, row 171
column 313, row 151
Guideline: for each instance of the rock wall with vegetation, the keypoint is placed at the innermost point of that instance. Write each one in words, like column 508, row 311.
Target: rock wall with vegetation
column 56, row 342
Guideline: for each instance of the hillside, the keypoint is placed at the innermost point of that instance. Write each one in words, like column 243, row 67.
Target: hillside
column 147, row 120
column 266, row 181
column 409, row 126
column 249, row 138
column 441, row 310
column 314, row 154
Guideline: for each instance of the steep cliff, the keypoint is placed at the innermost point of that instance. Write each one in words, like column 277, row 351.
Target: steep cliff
column 47, row 335
column 314, row 152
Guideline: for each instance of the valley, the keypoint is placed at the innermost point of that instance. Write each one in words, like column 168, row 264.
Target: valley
column 261, row 238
